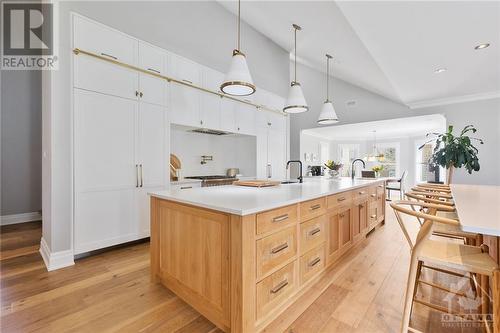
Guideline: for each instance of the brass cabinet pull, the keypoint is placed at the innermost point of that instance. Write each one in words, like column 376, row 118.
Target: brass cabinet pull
column 154, row 70
column 341, row 215
column 141, row 94
column 317, row 206
column 137, row 175
column 279, row 248
column 185, row 187
column 314, row 262
column 187, row 81
column 341, row 199
column 142, row 176
column 381, row 186
column 362, row 192
column 373, row 195
column 373, row 216
column 109, row 56
column 314, row 231
column 280, row 286
column 136, row 93
column 280, row 218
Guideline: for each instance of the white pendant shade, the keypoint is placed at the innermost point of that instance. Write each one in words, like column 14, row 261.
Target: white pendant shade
column 295, row 103
column 328, row 115
column 238, row 81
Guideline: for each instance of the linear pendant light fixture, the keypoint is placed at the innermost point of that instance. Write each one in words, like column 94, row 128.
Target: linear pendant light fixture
column 238, row 81
column 327, row 115
column 295, row 103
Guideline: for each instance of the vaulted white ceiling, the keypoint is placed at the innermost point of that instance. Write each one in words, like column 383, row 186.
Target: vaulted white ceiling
column 392, row 47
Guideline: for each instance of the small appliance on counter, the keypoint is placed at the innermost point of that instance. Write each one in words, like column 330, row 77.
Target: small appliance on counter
column 316, row 170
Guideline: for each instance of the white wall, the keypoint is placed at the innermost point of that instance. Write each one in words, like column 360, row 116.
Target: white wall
column 484, row 114
column 228, row 151
column 202, row 31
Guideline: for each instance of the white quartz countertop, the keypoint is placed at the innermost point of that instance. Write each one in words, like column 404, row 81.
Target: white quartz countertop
column 241, row 200
column 478, row 208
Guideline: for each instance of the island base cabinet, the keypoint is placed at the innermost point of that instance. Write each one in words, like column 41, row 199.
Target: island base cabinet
column 241, row 272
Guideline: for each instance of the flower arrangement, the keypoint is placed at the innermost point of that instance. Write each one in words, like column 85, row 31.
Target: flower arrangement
column 378, row 168
column 332, row 165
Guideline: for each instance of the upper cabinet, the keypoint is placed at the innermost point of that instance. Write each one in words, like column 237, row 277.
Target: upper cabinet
column 102, row 76
column 210, row 112
column 152, row 89
column 184, row 101
column 270, row 119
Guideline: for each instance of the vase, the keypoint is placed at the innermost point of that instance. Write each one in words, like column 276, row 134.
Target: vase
column 333, row 174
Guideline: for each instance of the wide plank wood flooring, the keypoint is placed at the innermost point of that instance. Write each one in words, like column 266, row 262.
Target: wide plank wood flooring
column 111, row 292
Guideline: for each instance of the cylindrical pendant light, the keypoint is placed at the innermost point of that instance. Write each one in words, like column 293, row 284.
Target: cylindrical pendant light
column 238, row 81
column 327, row 115
column 295, row 103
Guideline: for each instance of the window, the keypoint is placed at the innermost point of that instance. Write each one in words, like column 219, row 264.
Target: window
column 424, row 171
column 347, row 153
column 391, row 159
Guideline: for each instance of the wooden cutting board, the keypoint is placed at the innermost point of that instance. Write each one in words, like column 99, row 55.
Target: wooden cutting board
column 175, row 163
column 256, row 183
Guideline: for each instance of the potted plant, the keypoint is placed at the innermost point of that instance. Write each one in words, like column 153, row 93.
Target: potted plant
column 333, row 168
column 377, row 169
column 453, row 151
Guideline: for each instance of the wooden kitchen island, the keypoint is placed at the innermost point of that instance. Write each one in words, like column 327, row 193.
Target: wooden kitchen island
column 240, row 256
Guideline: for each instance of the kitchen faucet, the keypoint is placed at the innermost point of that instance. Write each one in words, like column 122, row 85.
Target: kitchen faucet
column 300, row 169
column 352, row 166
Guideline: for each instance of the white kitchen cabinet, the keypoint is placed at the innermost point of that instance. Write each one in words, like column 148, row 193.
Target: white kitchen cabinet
column 228, row 115
column 262, row 158
column 245, row 119
column 210, row 110
column 98, row 75
column 104, row 169
column 151, row 89
column 277, row 154
column 184, row 101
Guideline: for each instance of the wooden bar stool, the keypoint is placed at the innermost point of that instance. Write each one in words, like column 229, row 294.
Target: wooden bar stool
column 425, row 187
column 451, row 255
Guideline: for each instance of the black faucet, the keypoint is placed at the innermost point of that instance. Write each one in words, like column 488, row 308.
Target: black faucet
column 300, row 178
column 352, row 166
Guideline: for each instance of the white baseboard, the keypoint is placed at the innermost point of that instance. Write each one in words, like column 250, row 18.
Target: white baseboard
column 55, row 260
column 20, row 218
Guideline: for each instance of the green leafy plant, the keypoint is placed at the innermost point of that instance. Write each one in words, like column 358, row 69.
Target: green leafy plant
column 332, row 165
column 455, row 151
column 378, row 168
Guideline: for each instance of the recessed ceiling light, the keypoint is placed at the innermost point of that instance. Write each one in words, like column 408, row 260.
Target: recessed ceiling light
column 440, row 70
column 481, row 46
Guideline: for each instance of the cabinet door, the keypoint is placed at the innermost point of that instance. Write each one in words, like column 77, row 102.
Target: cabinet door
column 228, row 115
column 184, row 101
column 143, row 211
column 277, row 153
column 262, row 157
column 245, row 119
column 210, row 112
column 105, row 172
column 345, row 227
column 152, row 89
column 333, row 244
column 152, row 150
column 360, row 215
column 101, row 76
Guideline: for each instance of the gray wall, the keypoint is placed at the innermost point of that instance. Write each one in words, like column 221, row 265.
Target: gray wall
column 202, row 31
column 21, row 142
column 485, row 115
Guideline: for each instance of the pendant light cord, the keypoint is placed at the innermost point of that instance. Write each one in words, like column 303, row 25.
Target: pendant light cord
column 327, row 76
column 239, row 13
column 295, row 57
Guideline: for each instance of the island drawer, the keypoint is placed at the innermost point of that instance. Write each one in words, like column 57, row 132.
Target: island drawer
column 312, row 233
column 360, row 194
column 380, row 189
column 312, row 208
column 372, row 214
column 276, row 219
column 372, row 193
column 312, row 263
column 339, row 199
column 275, row 250
column 275, row 289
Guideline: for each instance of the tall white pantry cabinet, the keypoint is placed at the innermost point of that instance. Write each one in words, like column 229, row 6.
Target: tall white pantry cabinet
column 121, row 129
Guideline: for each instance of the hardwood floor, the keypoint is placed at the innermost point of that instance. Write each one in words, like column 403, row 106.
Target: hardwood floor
column 111, row 292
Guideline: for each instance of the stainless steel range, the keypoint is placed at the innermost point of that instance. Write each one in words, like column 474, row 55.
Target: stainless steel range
column 216, row 180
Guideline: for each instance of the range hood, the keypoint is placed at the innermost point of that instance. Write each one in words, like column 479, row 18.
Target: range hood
column 208, row 131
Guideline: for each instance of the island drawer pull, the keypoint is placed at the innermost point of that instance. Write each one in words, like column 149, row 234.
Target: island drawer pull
column 279, row 248
column 373, row 216
column 362, row 192
column 280, row 286
column 281, row 218
column 373, row 195
column 314, row 231
column 314, row 262
column 341, row 199
column 341, row 215
column 381, row 186
column 314, row 207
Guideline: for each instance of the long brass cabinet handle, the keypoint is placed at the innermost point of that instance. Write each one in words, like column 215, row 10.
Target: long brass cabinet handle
column 154, row 70
column 314, row 262
column 109, row 56
column 186, row 187
column 137, row 175
column 314, row 207
column 142, row 176
column 280, row 218
column 280, row 286
column 279, row 248
column 314, row 231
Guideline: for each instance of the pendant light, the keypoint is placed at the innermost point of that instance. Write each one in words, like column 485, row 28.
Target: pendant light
column 295, row 103
column 327, row 115
column 238, row 81
column 375, row 155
